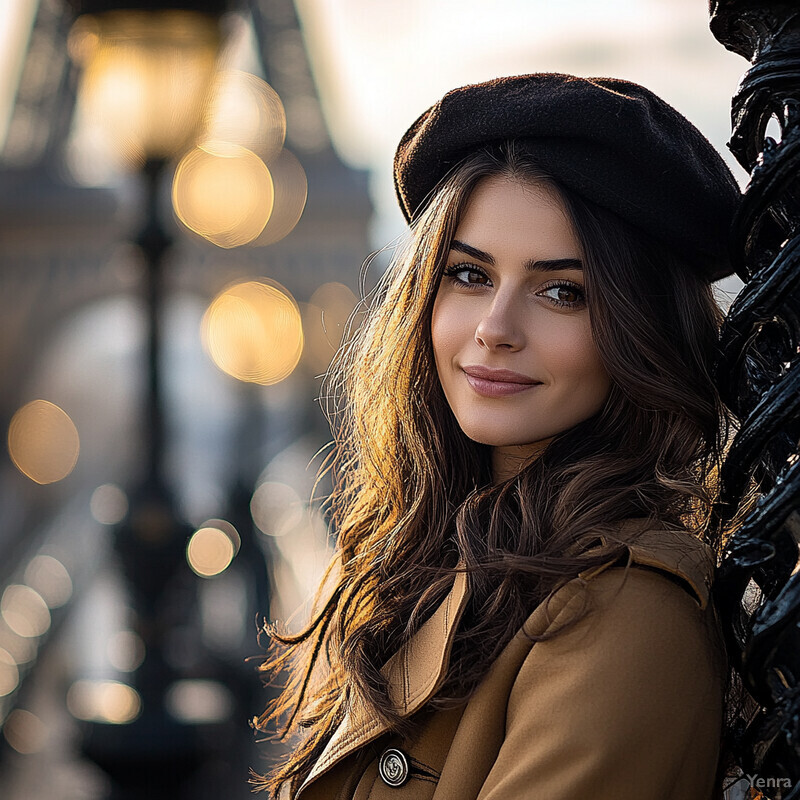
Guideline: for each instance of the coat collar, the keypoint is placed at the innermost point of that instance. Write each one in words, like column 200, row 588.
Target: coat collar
column 672, row 550
column 413, row 673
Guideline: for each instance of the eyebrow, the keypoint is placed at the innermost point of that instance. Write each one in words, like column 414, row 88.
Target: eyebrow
column 545, row 265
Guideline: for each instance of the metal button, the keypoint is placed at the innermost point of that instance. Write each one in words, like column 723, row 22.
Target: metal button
column 393, row 767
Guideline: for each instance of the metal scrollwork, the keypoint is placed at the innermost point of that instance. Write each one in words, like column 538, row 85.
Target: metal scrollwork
column 757, row 588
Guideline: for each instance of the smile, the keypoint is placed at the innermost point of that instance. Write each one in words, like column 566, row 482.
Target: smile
column 489, row 388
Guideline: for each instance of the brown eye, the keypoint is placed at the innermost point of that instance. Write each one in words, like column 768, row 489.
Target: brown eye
column 466, row 275
column 564, row 295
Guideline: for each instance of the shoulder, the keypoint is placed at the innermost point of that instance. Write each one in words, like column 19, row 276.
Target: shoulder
column 662, row 582
column 634, row 626
column 673, row 553
column 624, row 688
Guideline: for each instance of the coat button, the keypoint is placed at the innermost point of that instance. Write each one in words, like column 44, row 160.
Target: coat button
column 393, row 767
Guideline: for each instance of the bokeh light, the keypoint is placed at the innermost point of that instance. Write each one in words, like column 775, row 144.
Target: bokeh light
column 290, row 189
column 25, row 732
column 83, row 39
column 276, row 508
column 50, row 579
column 325, row 322
column 226, row 528
column 9, row 673
column 126, row 651
column 24, row 611
column 244, row 110
column 109, row 504
column 199, row 701
column 104, row 701
column 224, row 193
column 253, row 332
column 43, row 442
column 145, row 77
column 22, row 649
column 211, row 548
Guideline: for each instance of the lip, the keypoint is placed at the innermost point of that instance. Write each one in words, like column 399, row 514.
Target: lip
column 498, row 375
column 497, row 382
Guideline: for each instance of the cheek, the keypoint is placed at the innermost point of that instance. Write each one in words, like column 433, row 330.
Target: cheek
column 573, row 355
column 444, row 331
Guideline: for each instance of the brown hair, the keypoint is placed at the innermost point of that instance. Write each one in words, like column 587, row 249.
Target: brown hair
column 413, row 495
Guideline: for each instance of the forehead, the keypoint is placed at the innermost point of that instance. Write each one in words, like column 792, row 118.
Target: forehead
column 509, row 214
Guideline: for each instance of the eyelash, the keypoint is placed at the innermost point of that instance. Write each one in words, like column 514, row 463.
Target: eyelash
column 451, row 272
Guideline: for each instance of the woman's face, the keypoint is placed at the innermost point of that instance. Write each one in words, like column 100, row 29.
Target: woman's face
column 510, row 325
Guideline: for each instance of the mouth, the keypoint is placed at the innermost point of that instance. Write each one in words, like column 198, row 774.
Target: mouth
column 498, row 383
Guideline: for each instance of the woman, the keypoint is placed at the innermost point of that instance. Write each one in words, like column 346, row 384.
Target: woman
column 525, row 452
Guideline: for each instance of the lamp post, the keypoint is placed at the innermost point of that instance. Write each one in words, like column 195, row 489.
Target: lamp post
column 147, row 67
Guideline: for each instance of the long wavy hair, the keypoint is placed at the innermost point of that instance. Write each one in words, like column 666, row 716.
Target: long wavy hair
column 413, row 496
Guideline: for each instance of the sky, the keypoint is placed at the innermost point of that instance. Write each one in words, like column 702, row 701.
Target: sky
column 16, row 18
column 380, row 63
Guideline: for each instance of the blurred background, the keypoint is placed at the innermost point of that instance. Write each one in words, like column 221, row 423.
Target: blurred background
column 189, row 194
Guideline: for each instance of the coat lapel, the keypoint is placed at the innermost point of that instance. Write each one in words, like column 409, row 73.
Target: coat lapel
column 413, row 673
column 416, row 670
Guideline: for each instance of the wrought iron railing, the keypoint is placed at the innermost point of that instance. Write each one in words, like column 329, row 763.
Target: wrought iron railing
column 757, row 588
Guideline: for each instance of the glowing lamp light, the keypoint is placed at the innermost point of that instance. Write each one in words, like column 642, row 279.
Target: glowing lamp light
column 291, row 192
column 199, row 702
column 126, row 651
column 111, row 702
column 9, row 673
column 276, row 508
column 21, row 649
column 226, row 528
column 43, row 442
column 326, row 320
column 50, row 579
column 108, row 504
column 337, row 302
column 145, row 77
column 25, row 732
column 223, row 192
column 211, row 548
column 25, row 611
column 244, row 110
column 253, row 332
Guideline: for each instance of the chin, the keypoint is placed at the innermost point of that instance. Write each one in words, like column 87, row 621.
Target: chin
column 502, row 438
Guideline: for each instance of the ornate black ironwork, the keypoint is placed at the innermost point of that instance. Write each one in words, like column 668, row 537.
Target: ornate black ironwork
column 757, row 589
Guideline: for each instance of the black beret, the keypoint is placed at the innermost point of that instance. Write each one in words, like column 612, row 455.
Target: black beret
column 612, row 142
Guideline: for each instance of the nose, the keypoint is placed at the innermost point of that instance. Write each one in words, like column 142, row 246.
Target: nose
column 499, row 326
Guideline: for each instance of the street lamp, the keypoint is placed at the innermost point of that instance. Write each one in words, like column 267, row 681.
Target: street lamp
column 146, row 75
column 147, row 68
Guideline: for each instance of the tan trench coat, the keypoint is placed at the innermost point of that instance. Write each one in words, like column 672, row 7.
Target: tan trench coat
column 627, row 704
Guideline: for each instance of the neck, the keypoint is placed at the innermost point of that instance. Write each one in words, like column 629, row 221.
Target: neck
column 508, row 460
